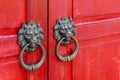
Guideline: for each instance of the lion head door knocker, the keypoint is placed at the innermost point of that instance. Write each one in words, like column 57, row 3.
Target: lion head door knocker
column 30, row 37
column 64, row 31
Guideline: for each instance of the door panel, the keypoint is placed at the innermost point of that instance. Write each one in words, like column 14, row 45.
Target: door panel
column 99, row 41
column 98, row 33
column 98, row 28
column 9, row 60
column 37, row 11
column 13, row 48
column 98, row 59
column 85, row 8
column 12, row 15
column 57, row 70
column 11, row 70
column 61, row 70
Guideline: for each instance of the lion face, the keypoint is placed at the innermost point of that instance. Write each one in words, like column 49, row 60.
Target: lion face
column 64, row 28
column 30, row 33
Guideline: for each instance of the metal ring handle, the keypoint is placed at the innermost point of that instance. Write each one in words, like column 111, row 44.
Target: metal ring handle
column 67, row 58
column 32, row 66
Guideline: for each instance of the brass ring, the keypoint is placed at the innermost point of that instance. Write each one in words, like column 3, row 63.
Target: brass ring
column 32, row 66
column 72, row 56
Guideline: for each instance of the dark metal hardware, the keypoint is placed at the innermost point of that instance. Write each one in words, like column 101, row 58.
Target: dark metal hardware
column 67, row 58
column 33, row 66
column 30, row 37
column 64, row 31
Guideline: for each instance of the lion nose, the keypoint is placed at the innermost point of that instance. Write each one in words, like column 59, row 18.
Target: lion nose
column 69, row 34
column 34, row 39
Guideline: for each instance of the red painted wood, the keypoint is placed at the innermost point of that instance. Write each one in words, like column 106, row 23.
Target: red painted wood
column 37, row 11
column 57, row 70
column 99, row 40
column 98, row 59
column 98, row 33
column 98, row 28
column 85, row 8
column 12, row 15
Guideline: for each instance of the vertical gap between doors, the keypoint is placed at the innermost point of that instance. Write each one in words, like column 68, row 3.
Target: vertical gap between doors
column 47, row 39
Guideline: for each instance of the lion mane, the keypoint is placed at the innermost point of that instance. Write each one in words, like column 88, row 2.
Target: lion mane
column 27, row 32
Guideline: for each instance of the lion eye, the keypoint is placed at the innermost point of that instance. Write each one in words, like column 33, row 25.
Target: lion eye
column 62, row 28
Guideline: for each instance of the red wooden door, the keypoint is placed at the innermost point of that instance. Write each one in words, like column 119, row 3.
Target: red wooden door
column 13, row 13
column 98, row 33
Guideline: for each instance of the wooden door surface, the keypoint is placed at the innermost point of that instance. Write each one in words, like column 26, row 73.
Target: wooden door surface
column 13, row 13
column 98, row 33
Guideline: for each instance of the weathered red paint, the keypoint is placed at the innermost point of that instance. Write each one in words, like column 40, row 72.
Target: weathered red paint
column 97, row 31
column 12, row 15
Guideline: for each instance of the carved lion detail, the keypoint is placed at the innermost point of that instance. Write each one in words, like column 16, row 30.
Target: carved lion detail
column 64, row 28
column 30, row 33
